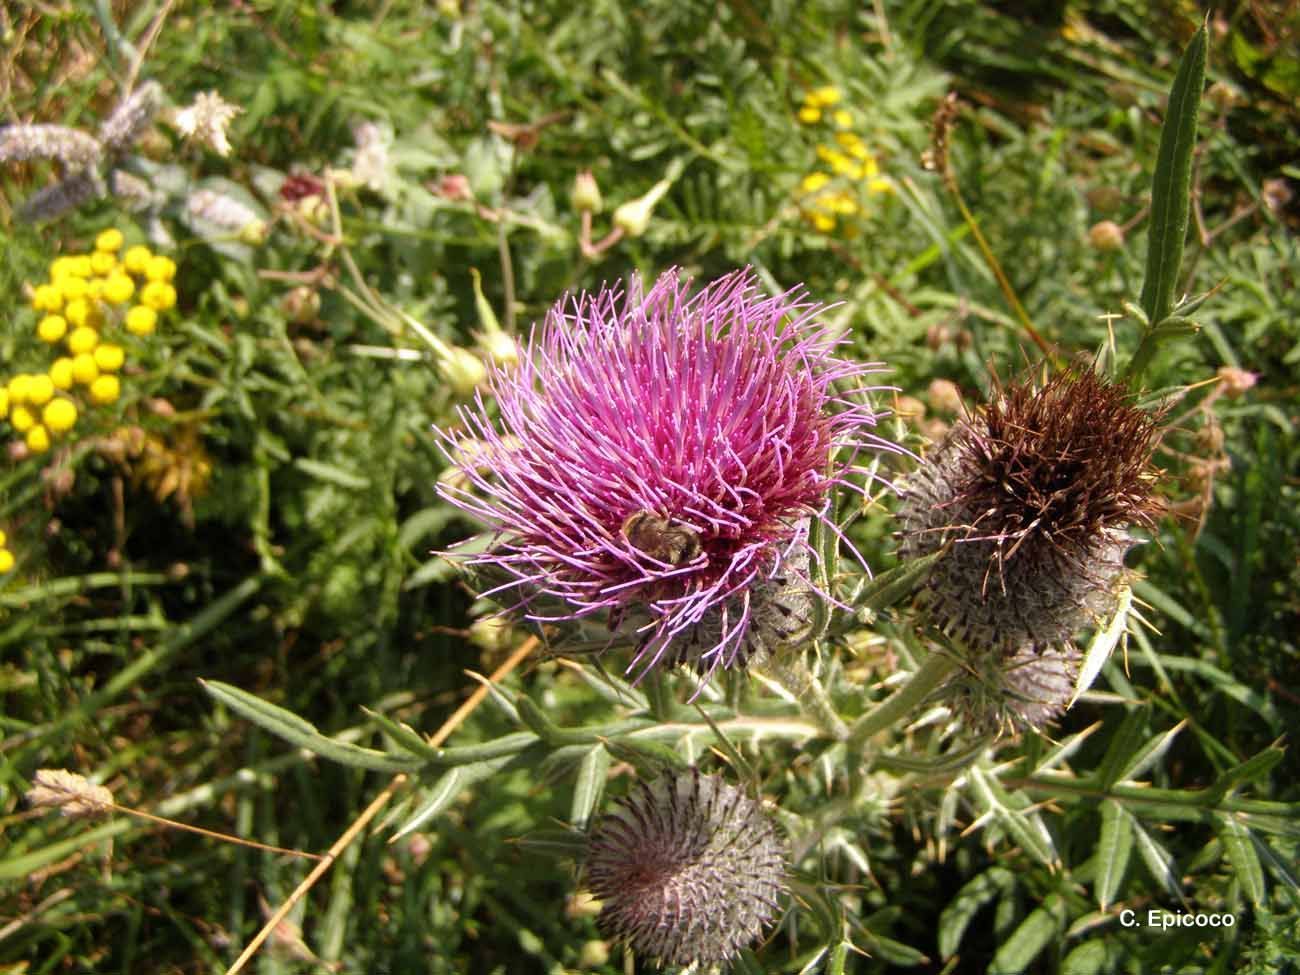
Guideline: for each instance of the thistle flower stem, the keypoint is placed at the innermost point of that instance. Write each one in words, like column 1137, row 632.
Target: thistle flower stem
column 662, row 705
column 936, row 669
column 792, row 673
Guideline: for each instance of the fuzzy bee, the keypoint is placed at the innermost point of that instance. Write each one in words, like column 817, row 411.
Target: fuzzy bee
column 661, row 538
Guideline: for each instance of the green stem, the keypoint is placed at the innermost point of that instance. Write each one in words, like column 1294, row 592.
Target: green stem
column 792, row 673
column 936, row 669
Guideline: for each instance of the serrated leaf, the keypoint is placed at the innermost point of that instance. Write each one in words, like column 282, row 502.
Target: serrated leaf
column 1113, row 850
column 1042, row 927
column 1171, row 188
column 1103, row 645
column 439, row 796
column 1158, row 861
column 298, row 731
column 956, row 917
column 1125, row 744
column 589, row 786
column 1240, row 851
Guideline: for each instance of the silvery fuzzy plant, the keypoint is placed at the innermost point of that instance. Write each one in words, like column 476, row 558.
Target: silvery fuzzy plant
column 93, row 166
column 668, row 481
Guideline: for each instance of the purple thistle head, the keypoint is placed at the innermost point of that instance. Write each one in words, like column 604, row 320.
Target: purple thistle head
column 658, row 457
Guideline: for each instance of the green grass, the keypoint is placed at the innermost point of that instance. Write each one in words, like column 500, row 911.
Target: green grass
column 298, row 566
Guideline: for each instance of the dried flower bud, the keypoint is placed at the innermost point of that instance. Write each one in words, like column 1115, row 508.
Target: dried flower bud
column 586, row 193
column 300, row 305
column 70, row 793
column 944, row 396
column 937, row 336
column 1106, row 236
column 688, row 869
column 1033, row 497
column 1236, row 381
column 206, row 120
column 1105, row 199
column 1276, row 194
column 491, row 633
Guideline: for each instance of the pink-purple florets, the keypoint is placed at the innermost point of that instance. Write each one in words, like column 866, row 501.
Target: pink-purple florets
column 656, row 456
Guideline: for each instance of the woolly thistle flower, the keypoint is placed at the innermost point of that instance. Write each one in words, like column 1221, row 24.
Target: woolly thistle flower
column 688, row 869
column 1034, row 497
column 659, row 456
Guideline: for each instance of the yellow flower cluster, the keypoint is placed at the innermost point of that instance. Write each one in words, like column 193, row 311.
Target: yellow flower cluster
column 833, row 195
column 6, row 556
column 86, row 296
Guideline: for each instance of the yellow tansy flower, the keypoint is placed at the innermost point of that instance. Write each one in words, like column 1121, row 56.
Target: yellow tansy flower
column 18, row 387
column 823, row 97
column 79, row 265
column 38, row 439
column 105, row 389
column 6, row 560
column 118, row 289
column 109, row 357
column 843, row 118
column 95, row 289
column 809, row 114
column 136, row 258
column 823, row 222
column 82, row 340
column 878, row 186
column 141, row 320
column 60, row 415
column 110, row 240
column 79, row 312
column 814, row 182
column 73, row 288
column 4, row 408
column 47, row 297
column 158, row 295
column 21, row 419
column 84, row 369
column 39, row 390
column 101, row 262
column 61, row 373
column 160, row 268
column 52, row 328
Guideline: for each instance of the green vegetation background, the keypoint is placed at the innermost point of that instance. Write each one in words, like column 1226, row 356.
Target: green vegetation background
column 302, row 570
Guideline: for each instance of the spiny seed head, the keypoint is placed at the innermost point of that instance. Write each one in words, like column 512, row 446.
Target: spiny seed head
column 1035, row 495
column 665, row 450
column 1022, row 691
column 688, row 869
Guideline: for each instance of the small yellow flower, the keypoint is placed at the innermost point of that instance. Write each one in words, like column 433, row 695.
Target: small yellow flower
column 841, row 203
column 38, row 439
column 6, row 560
column 39, row 390
column 52, row 328
column 21, row 419
column 47, row 297
column 60, row 267
column 4, row 407
column 80, row 313
column 842, row 118
column 61, row 373
column 141, row 320
column 95, row 289
column 118, row 289
column 160, row 268
column 105, row 389
column 158, row 295
column 814, row 182
column 823, row 97
column 84, row 369
column 823, row 222
column 73, row 288
column 18, row 387
column 102, row 262
column 79, row 266
column 110, row 240
column 109, row 357
column 82, row 340
column 137, row 258
column 60, row 415
column 4, row 539
column 878, row 186
column 810, row 114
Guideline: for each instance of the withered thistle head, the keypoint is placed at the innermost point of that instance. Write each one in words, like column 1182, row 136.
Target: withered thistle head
column 1035, row 495
column 688, row 869
column 996, row 694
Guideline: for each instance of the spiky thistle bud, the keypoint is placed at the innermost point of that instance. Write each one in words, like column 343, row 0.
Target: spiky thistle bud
column 995, row 694
column 1034, row 495
column 688, row 869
